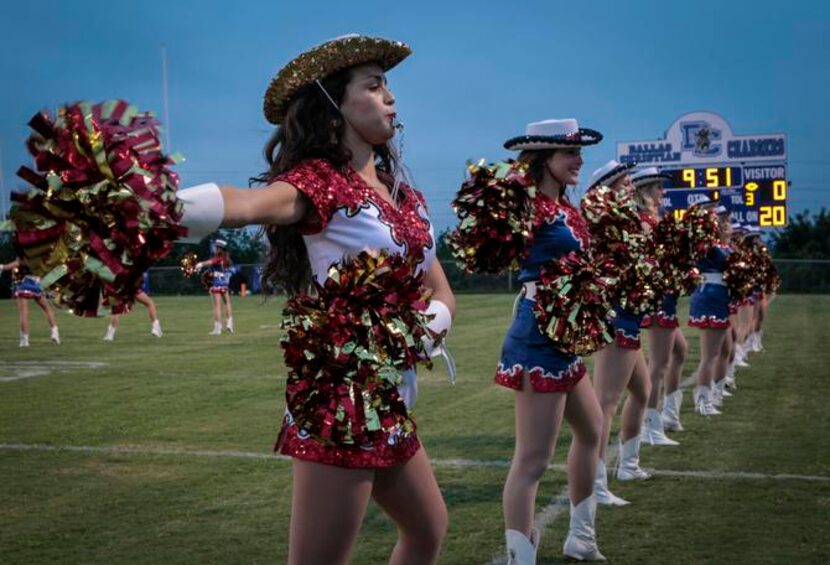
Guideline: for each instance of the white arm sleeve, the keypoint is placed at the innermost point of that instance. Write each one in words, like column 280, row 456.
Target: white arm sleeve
column 204, row 209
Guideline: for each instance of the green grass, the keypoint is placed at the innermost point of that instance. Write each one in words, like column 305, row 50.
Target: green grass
column 190, row 391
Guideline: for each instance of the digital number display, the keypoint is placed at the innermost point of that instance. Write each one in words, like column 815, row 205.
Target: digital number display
column 769, row 198
column 765, row 191
column 704, row 177
column 753, row 194
column 772, row 215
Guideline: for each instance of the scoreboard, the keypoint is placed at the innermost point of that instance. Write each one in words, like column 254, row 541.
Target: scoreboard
column 702, row 157
column 755, row 195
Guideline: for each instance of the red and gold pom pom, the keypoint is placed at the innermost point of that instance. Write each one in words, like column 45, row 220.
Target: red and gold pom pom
column 701, row 224
column 614, row 223
column 672, row 250
column 102, row 209
column 188, row 263
column 767, row 276
column 739, row 274
column 621, row 246
column 573, row 306
column 347, row 344
column 495, row 211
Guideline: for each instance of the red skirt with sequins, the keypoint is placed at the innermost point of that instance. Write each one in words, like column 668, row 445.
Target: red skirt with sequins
column 385, row 451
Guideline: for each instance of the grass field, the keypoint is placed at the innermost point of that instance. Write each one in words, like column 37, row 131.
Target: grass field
column 185, row 426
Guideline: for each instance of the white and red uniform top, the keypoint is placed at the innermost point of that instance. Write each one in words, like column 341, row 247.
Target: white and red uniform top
column 354, row 218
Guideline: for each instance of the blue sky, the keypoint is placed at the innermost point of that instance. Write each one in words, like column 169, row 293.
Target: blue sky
column 480, row 71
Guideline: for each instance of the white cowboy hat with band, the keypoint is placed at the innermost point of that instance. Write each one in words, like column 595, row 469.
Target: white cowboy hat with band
column 609, row 172
column 553, row 134
column 647, row 175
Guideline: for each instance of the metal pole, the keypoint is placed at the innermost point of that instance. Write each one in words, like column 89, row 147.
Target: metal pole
column 165, row 97
column 2, row 187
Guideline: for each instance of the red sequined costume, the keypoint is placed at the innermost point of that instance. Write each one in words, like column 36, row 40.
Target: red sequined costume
column 354, row 218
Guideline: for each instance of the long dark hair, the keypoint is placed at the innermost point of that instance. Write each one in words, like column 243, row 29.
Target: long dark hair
column 312, row 128
column 537, row 160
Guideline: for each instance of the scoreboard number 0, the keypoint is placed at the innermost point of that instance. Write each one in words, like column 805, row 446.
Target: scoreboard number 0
column 779, row 190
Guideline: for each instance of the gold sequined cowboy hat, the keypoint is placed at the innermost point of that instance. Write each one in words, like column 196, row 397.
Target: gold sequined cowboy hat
column 319, row 62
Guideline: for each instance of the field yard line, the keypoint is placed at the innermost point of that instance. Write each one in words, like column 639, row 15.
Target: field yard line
column 739, row 475
column 31, row 369
column 138, row 450
column 440, row 463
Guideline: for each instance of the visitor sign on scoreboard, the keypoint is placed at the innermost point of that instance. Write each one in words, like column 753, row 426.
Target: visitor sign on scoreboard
column 702, row 156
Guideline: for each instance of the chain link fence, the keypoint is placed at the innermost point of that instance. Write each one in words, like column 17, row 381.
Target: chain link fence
column 799, row 276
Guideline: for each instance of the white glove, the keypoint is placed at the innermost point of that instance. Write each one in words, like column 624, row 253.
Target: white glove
column 204, row 209
column 442, row 322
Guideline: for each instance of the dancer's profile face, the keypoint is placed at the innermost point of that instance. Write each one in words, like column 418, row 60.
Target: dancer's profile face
column 368, row 105
column 725, row 225
column 653, row 192
column 623, row 184
column 564, row 165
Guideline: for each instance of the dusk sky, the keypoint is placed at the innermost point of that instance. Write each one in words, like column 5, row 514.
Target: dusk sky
column 480, row 71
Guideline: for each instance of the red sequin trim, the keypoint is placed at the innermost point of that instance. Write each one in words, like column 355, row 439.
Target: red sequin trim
column 510, row 378
column 376, row 456
column 626, row 341
column 541, row 380
column 545, row 208
column 548, row 211
column 709, row 322
column 646, row 323
column 648, row 218
column 28, row 294
column 733, row 307
column 330, row 190
column 218, row 290
column 666, row 321
column 409, row 228
column 576, row 224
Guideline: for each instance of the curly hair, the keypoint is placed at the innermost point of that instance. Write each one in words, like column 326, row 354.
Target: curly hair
column 312, row 129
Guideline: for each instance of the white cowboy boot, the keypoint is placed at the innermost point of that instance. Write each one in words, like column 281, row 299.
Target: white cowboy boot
column 703, row 402
column 720, row 386
column 740, row 356
column 628, row 465
column 716, row 395
column 671, row 411
column 581, row 543
column 520, row 550
column 759, row 335
column 217, row 329
column 601, row 492
column 155, row 328
column 110, row 335
column 24, row 340
column 55, row 335
column 730, row 381
column 653, row 433
column 229, row 325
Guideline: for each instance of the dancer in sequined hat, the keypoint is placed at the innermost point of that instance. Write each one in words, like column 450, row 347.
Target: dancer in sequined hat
column 330, row 205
